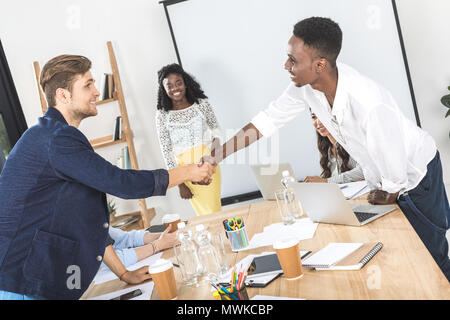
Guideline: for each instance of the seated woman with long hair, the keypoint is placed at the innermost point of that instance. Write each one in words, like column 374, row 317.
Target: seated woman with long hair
column 188, row 130
column 337, row 166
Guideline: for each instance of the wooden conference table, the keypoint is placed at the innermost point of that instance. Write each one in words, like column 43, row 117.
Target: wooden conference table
column 403, row 269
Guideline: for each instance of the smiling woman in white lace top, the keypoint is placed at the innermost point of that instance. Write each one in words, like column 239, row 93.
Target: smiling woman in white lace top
column 188, row 130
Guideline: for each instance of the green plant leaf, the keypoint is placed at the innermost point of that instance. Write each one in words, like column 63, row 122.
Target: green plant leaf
column 448, row 113
column 446, row 100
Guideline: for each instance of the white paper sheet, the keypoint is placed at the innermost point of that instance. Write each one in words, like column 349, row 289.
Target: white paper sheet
column 302, row 229
column 105, row 275
column 353, row 190
column 146, row 288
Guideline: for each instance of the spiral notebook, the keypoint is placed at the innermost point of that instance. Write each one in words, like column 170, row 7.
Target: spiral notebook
column 343, row 256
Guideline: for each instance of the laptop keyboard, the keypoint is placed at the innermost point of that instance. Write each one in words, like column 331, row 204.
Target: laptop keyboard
column 363, row 216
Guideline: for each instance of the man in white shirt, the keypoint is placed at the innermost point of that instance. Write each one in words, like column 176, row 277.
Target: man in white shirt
column 399, row 160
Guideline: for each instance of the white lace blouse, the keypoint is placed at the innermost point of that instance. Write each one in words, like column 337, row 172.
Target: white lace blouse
column 182, row 130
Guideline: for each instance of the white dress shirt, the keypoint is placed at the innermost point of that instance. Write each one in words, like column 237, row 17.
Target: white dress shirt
column 366, row 121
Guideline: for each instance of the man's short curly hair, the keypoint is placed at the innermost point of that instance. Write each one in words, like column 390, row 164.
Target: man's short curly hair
column 193, row 90
column 322, row 34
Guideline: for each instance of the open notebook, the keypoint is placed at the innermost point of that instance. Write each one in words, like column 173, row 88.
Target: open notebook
column 343, row 256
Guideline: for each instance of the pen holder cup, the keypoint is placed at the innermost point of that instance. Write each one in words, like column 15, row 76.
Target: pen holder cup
column 238, row 239
column 235, row 295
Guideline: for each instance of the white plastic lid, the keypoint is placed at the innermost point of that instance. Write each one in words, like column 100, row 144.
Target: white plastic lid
column 160, row 265
column 285, row 173
column 200, row 227
column 170, row 218
column 285, row 243
column 181, row 225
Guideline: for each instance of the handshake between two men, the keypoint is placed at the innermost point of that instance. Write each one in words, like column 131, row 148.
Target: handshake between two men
column 206, row 166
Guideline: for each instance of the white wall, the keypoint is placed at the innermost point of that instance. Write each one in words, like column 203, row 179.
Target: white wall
column 370, row 36
column 426, row 32
column 40, row 30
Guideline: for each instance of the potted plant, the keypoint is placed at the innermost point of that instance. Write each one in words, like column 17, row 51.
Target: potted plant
column 446, row 102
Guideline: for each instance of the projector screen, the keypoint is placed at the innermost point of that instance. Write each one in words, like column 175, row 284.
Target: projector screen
column 236, row 49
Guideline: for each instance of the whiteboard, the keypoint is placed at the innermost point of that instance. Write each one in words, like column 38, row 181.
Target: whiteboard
column 236, row 49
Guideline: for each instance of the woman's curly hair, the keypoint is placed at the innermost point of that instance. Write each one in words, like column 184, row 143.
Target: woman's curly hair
column 193, row 89
column 325, row 146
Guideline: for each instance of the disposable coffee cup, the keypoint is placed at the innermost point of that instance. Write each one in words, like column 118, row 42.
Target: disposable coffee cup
column 164, row 279
column 173, row 220
column 288, row 253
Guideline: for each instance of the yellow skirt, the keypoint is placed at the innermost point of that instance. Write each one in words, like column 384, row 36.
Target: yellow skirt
column 206, row 199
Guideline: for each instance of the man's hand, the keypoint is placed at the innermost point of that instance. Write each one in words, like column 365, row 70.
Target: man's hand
column 315, row 179
column 201, row 172
column 185, row 192
column 137, row 276
column 381, row 197
column 210, row 161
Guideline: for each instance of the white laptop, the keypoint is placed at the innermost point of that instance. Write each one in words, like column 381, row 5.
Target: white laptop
column 324, row 202
column 268, row 177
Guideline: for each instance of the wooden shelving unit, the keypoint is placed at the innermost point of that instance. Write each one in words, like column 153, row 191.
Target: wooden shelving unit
column 145, row 215
column 99, row 103
column 105, row 142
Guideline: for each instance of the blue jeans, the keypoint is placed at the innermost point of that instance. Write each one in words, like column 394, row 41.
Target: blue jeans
column 6, row 295
column 426, row 208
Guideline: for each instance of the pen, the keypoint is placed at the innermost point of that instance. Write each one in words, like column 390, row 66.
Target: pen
column 233, row 276
column 219, row 291
column 228, row 292
column 225, row 226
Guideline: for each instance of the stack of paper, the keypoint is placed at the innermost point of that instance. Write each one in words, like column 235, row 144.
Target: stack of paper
column 146, row 288
column 353, row 190
column 104, row 274
column 300, row 230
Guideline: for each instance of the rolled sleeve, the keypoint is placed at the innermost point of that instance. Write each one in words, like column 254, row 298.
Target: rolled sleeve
column 130, row 239
column 128, row 257
column 161, row 177
column 264, row 124
column 279, row 112
column 391, row 187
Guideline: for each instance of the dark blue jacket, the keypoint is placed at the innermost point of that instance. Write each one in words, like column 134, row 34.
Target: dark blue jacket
column 53, row 212
column 2, row 159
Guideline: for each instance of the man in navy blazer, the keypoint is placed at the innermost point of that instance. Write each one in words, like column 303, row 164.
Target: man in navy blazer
column 53, row 213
